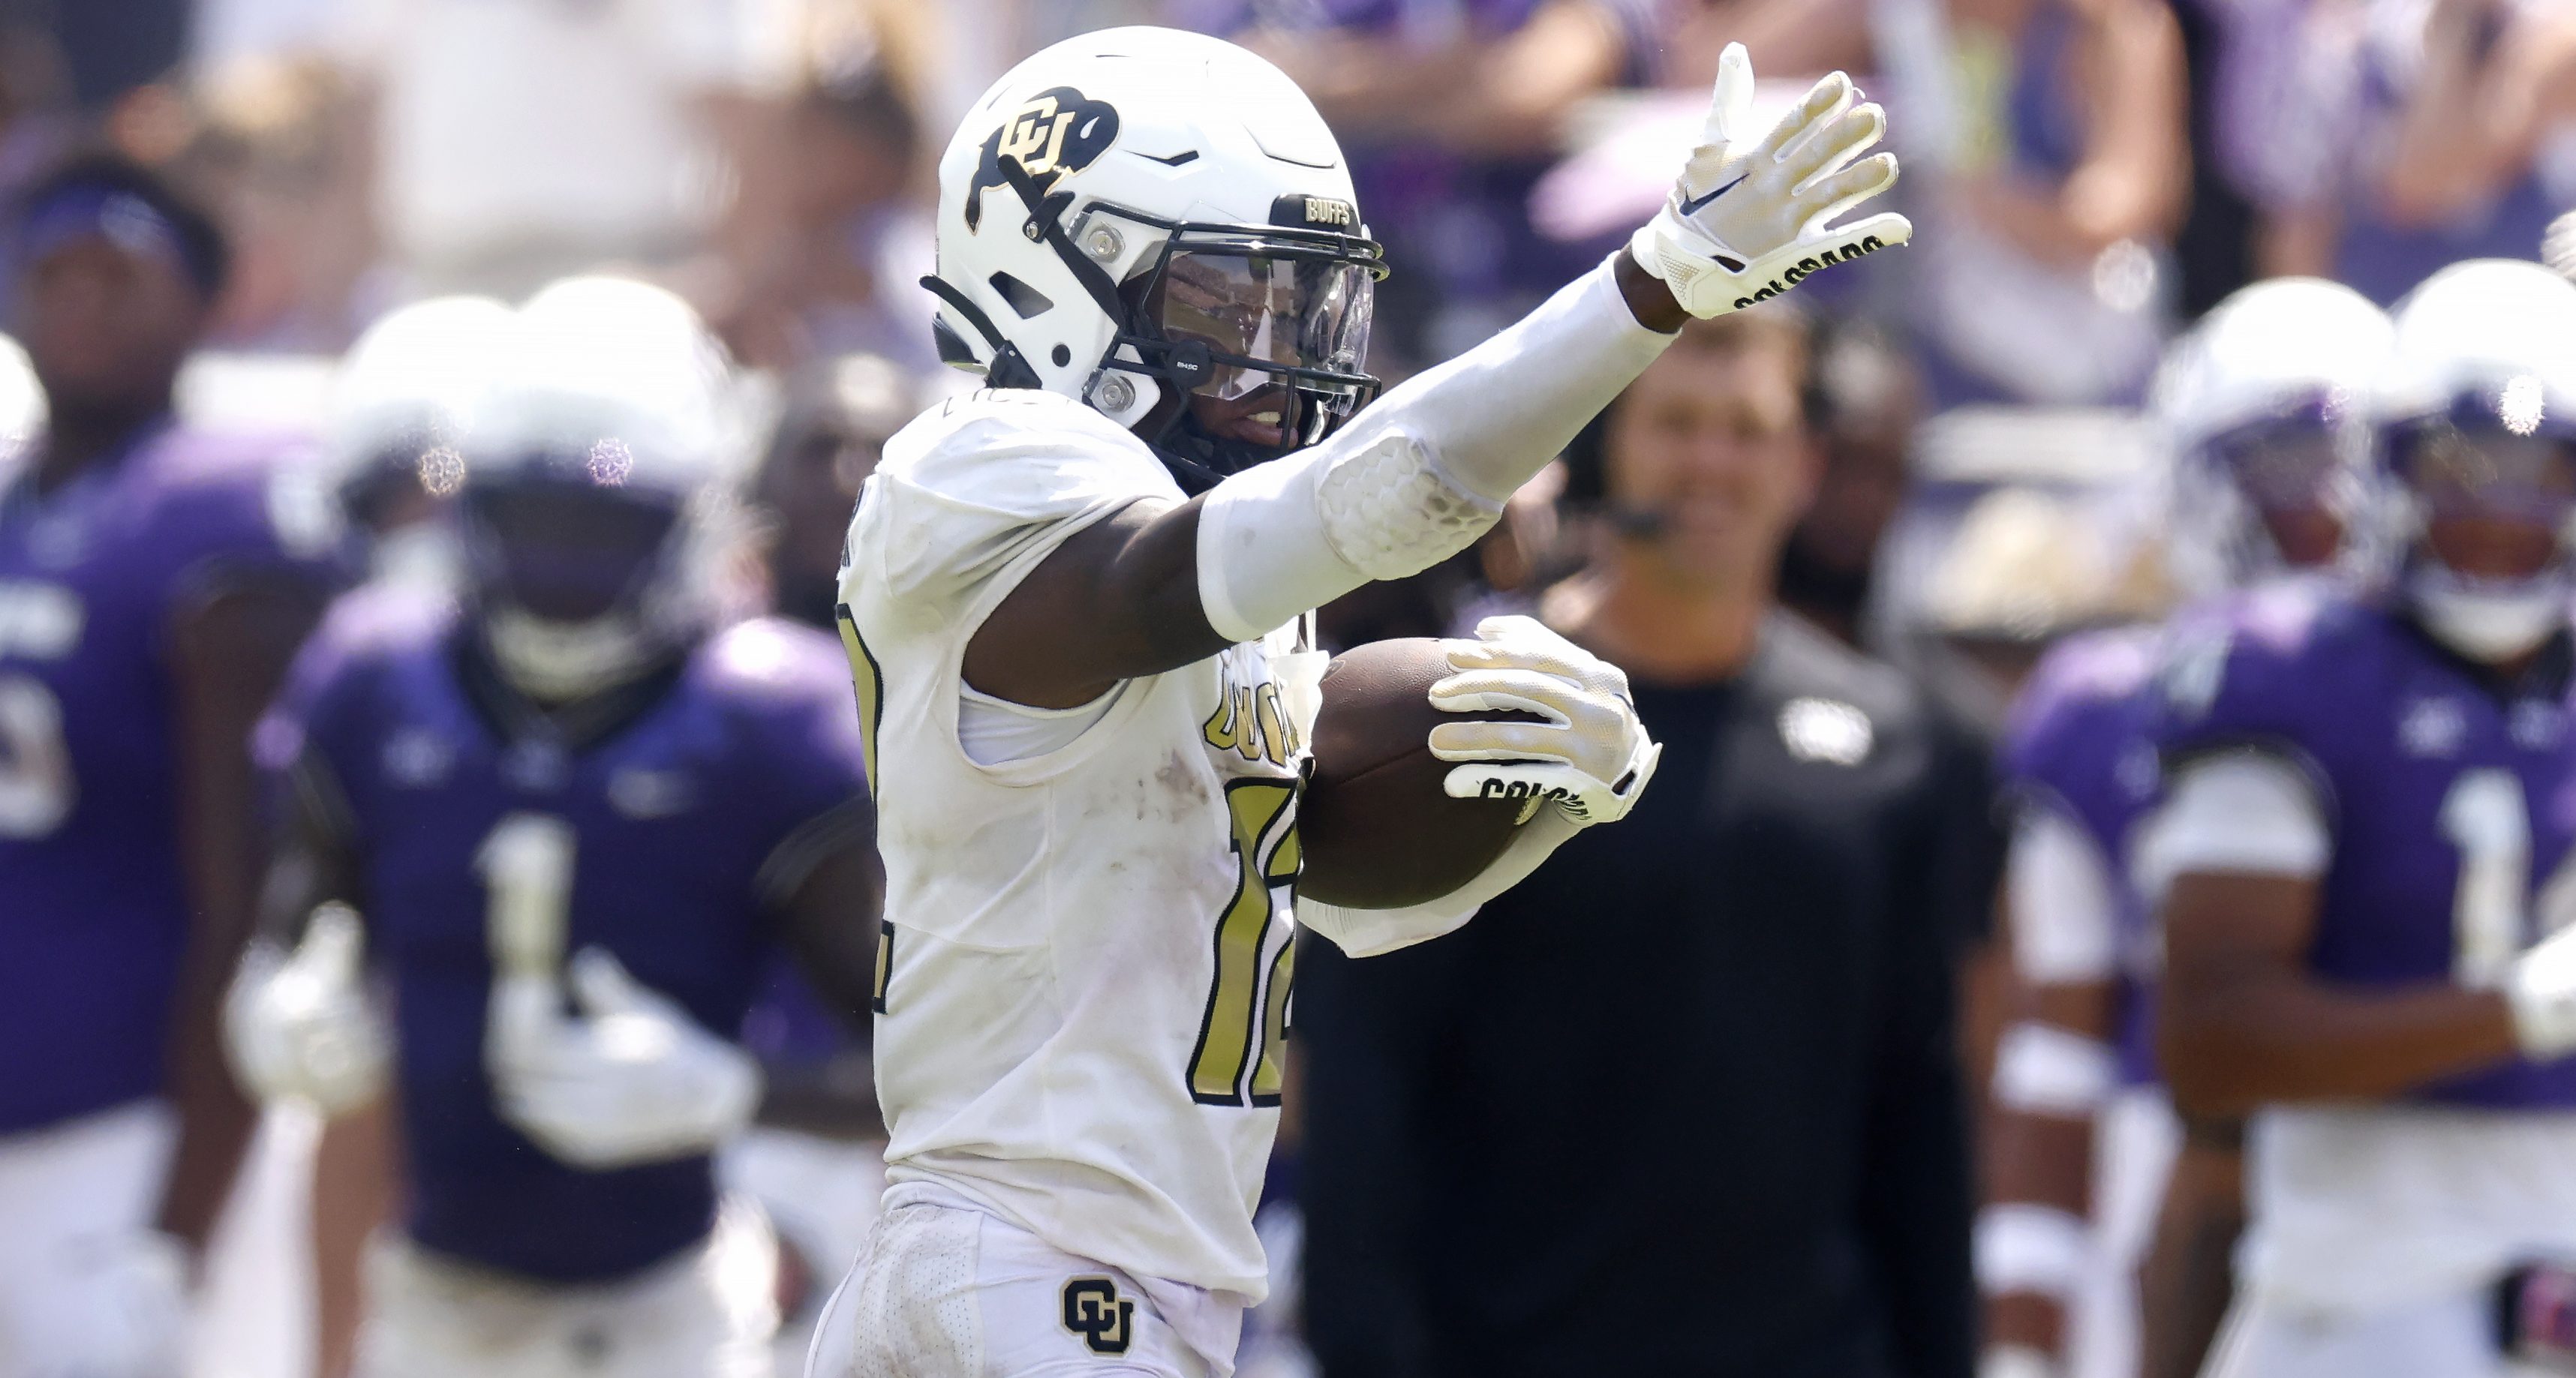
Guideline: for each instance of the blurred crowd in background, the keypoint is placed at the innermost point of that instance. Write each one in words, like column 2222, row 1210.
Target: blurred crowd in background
column 2088, row 176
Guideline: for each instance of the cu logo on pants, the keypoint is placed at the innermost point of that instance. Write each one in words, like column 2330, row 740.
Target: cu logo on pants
column 1094, row 1310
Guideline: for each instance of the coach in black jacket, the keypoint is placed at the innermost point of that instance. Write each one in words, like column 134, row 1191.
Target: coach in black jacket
column 1685, row 1102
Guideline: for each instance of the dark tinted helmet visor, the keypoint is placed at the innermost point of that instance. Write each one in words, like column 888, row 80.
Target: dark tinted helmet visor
column 2289, row 463
column 566, row 550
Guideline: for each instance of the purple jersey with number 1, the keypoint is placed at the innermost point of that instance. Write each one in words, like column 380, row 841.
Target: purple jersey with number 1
column 2426, row 767
column 2077, row 743
column 694, row 813
column 93, row 908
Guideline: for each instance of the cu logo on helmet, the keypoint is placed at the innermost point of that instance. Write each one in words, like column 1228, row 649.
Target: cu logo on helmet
column 1057, row 131
column 1094, row 1310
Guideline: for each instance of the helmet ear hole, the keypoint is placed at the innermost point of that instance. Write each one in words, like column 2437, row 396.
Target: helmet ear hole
column 1062, row 356
column 1023, row 298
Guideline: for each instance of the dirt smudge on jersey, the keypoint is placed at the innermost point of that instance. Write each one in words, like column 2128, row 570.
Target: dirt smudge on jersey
column 1188, row 791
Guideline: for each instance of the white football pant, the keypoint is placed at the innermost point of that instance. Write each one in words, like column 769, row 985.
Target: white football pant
column 947, row 1292
column 706, row 1314
column 2450, row 1336
column 87, row 1288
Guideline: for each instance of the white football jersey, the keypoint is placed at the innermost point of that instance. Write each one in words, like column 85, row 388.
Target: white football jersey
column 1082, row 991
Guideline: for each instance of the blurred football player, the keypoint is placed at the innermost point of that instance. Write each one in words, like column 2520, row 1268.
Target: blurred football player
column 154, row 582
column 832, row 432
column 816, row 1160
column 2263, row 410
column 567, row 823
column 400, row 403
column 2370, row 799
column 1061, row 591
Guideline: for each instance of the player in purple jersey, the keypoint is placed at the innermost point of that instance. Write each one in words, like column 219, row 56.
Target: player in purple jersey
column 153, row 584
column 2371, row 798
column 566, row 826
column 2262, row 409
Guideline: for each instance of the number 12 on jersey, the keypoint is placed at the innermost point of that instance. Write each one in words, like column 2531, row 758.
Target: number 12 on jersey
column 1264, row 818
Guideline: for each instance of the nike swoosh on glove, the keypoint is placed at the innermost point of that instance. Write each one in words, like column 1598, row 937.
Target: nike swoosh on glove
column 634, row 1080
column 1747, row 219
column 1591, row 756
column 301, row 1025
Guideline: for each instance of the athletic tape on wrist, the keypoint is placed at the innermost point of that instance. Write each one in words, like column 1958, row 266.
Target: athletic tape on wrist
column 2041, row 1069
column 2021, row 1247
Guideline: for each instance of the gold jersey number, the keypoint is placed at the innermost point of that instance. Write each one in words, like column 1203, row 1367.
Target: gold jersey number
column 1246, row 1024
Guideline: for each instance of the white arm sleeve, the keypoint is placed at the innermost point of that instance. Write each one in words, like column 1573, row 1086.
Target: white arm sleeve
column 2064, row 925
column 1421, row 473
column 1371, row 932
column 2245, row 813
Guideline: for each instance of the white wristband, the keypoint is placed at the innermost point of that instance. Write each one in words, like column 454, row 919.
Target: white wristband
column 2022, row 1247
column 2041, row 1069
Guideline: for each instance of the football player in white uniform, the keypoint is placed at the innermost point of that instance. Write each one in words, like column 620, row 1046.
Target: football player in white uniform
column 1077, row 606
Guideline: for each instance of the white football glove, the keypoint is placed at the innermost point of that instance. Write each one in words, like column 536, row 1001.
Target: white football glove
column 301, row 1025
column 1746, row 222
column 1591, row 758
column 2541, row 987
column 635, row 1080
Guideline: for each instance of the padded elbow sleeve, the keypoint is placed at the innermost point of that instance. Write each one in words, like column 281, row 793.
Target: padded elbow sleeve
column 1424, row 471
column 1300, row 532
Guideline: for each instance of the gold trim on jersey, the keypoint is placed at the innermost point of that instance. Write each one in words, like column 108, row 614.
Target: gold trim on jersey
column 869, row 679
column 1262, row 810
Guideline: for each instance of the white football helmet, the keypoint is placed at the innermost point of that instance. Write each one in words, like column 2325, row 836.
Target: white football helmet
column 596, row 502
column 22, row 398
column 405, row 392
column 2265, row 412
column 1159, row 224
column 2478, row 424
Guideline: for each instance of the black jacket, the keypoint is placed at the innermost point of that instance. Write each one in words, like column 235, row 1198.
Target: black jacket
column 1686, row 1100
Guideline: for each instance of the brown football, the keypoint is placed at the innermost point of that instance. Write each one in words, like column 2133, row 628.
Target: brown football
column 1378, row 830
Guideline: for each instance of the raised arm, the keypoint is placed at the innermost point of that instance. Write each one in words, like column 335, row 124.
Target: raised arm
column 1423, row 472
column 1129, row 595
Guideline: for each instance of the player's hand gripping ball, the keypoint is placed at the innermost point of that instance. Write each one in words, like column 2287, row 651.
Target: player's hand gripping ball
column 1747, row 219
column 1377, row 825
column 1430, row 753
column 1587, row 754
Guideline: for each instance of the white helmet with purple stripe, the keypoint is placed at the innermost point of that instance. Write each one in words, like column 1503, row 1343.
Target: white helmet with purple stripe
column 2477, row 418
